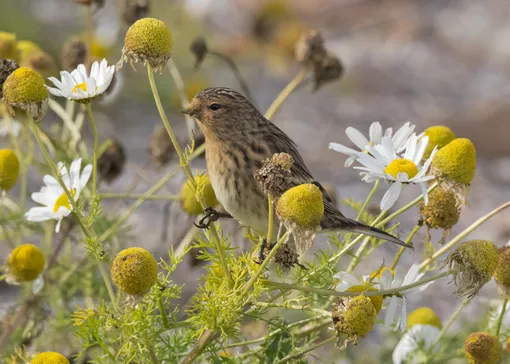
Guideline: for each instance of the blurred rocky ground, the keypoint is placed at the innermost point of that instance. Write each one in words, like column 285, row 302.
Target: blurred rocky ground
column 429, row 62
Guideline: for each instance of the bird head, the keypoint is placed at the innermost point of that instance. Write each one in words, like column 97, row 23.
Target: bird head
column 221, row 110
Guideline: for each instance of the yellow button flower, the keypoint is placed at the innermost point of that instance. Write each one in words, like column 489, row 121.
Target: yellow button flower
column 25, row 263
column 149, row 41
column 8, row 46
column 482, row 348
column 49, row 357
column 456, row 161
column 439, row 136
column 301, row 206
column 423, row 316
column 9, row 169
column 352, row 318
column 188, row 197
column 134, row 271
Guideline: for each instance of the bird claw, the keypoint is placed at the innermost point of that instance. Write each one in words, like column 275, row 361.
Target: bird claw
column 210, row 216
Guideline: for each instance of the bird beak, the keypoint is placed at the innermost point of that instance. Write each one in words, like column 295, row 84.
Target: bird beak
column 187, row 110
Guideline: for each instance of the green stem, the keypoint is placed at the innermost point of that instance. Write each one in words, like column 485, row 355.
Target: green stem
column 500, row 318
column 402, row 249
column 133, row 196
column 94, row 157
column 181, row 90
column 330, row 292
column 266, row 261
column 184, row 164
column 367, row 200
column 89, row 233
column 463, row 234
column 162, row 312
column 307, row 350
column 270, row 218
column 451, row 320
column 285, row 93
column 292, row 307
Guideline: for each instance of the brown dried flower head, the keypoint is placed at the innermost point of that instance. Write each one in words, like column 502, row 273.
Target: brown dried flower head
column 442, row 210
column 111, row 163
column 326, row 70
column 7, row 66
column 199, row 48
column 133, row 10
column 74, row 53
column 161, row 147
column 275, row 176
column 310, row 48
column 287, row 255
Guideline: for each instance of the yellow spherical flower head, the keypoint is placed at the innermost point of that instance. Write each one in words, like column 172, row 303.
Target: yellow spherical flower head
column 25, row 263
column 149, row 41
column 301, row 209
column 423, row 316
column 49, row 357
column 502, row 273
column 134, row 271
column 442, row 210
column 8, row 46
column 30, row 55
column 439, row 136
column 477, row 261
column 377, row 301
column 482, row 348
column 353, row 318
column 456, row 162
column 188, row 195
column 9, row 169
column 24, row 89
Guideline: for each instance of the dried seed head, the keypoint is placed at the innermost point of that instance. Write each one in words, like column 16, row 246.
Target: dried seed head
column 477, row 261
column 7, row 66
column 423, row 316
column 326, row 70
column 74, row 53
column 353, row 318
column 24, row 89
column 133, row 10
column 199, row 49
column 442, row 210
column 286, row 255
column 275, row 176
column 149, row 41
column 310, row 48
column 111, row 163
column 502, row 273
column 161, row 147
column 134, row 271
column 482, row 348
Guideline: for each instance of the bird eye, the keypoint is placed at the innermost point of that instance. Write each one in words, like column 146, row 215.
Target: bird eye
column 215, row 107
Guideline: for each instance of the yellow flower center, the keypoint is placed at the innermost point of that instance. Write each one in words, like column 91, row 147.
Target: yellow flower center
column 63, row 201
column 378, row 273
column 402, row 166
column 82, row 86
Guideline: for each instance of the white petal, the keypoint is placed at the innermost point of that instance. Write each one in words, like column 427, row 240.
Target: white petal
column 386, row 279
column 388, row 133
column 340, row 148
column 391, row 196
column 85, row 175
column 37, row 284
column 55, row 91
column 57, row 227
column 83, row 72
column 402, row 177
column 94, row 70
column 43, row 198
column 403, row 314
column 420, row 150
column 349, row 161
column 389, row 150
column 74, row 173
column 391, row 311
column 37, row 214
column 91, row 86
column 375, row 133
column 410, row 148
column 52, row 183
column 424, row 192
column 370, row 162
column 411, row 274
column 400, row 138
column 356, row 137
column 418, row 336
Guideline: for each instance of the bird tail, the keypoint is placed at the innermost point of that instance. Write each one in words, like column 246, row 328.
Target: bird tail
column 350, row 225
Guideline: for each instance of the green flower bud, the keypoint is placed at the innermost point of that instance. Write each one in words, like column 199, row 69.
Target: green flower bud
column 352, row 319
column 134, row 271
column 456, row 161
column 423, row 316
column 49, row 357
column 149, row 41
column 9, row 169
column 301, row 206
column 502, row 273
column 188, row 197
column 24, row 88
column 439, row 136
column 25, row 263
column 482, row 348
column 477, row 261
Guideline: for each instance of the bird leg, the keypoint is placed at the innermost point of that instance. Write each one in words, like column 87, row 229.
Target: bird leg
column 210, row 216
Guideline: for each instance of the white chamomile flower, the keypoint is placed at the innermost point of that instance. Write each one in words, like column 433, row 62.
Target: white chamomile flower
column 390, row 281
column 376, row 134
column 416, row 345
column 52, row 196
column 81, row 87
column 9, row 126
column 383, row 162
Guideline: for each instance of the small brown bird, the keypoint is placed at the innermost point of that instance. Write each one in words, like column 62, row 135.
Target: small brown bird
column 238, row 138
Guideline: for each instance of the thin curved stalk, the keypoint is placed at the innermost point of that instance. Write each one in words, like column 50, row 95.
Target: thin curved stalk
column 300, row 76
